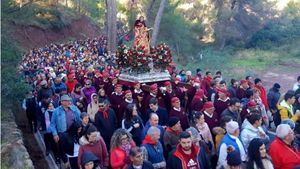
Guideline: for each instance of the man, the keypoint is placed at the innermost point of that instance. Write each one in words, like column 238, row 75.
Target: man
column 137, row 160
column 284, row 155
column 153, row 121
column 138, row 96
column 153, row 94
column 105, row 121
column 273, row 97
column 177, row 111
column 71, row 82
column 187, row 155
column 30, row 106
column 241, row 91
column 233, row 88
column 168, row 95
column 246, row 111
column 253, row 130
column 116, row 100
column 210, row 116
column 198, row 101
column 286, row 109
column 44, row 94
column 58, row 84
column 205, row 85
column 263, row 93
column 233, row 110
column 153, row 149
column 171, row 136
column 222, row 102
column 155, row 108
column 127, row 100
column 62, row 118
column 231, row 138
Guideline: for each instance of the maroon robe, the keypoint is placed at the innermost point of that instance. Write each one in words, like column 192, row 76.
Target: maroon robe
column 116, row 102
column 220, row 106
column 182, row 116
column 197, row 104
column 240, row 93
column 167, row 98
column 211, row 121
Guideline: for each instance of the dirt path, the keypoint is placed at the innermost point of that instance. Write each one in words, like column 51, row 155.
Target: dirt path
column 285, row 74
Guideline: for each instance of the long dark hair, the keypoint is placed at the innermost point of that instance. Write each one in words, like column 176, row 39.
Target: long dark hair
column 254, row 154
column 128, row 112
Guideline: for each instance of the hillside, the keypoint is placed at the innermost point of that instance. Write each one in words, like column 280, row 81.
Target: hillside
column 36, row 24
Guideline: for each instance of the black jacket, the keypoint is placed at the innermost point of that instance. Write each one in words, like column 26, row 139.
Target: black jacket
column 273, row 97
column 174, row 162
column 106, row 126
column 162, row 115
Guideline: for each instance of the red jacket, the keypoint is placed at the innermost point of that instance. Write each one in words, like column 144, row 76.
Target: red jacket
column 118, row 158
column 263, row 95
column 283, row 156
column 70, row 85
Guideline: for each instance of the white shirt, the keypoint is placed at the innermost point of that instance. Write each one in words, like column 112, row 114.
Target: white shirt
column 223, row 152
column 296, row 86
column 76, row 151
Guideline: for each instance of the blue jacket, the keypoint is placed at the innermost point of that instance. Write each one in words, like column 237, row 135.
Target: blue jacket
column 155, row 153
column 58, row 121
column 229, row 141
column 60, row 87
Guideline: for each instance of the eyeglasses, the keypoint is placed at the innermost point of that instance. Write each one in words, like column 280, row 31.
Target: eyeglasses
column 88, row 84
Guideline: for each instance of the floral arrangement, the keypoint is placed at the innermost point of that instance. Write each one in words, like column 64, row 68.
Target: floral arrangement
column 137, row 60
column 162, row 56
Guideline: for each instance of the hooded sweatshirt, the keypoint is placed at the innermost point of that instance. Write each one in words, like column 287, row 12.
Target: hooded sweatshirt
column 92, row 108
column 98, row 148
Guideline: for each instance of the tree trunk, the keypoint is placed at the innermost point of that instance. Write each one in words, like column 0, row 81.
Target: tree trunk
column 148, row 10
column 157, row 22
column 111, row 21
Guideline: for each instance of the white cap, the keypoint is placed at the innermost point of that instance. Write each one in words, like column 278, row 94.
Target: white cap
column 283, row 130
column 231, row 127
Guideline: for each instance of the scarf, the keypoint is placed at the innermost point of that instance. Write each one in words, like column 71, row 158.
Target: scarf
column 105, row 114
column 126, row 148
column 149, row 140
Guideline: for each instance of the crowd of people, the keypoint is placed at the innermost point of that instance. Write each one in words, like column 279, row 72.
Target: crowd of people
column 90, row 119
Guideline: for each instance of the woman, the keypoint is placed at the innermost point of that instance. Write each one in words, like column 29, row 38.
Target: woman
column 88, row 90
column 93, row 142
column 70, row 143
column 48, row 138
column 102, row 95
column 93, row 107
column 120, row 145
column 204, row 131
column 257, row 156
column 141, row 35
column 76, row 93
column 260, row 106
column 133, row 123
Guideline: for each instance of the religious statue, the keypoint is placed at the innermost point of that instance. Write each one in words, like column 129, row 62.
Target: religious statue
column 141, row 35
